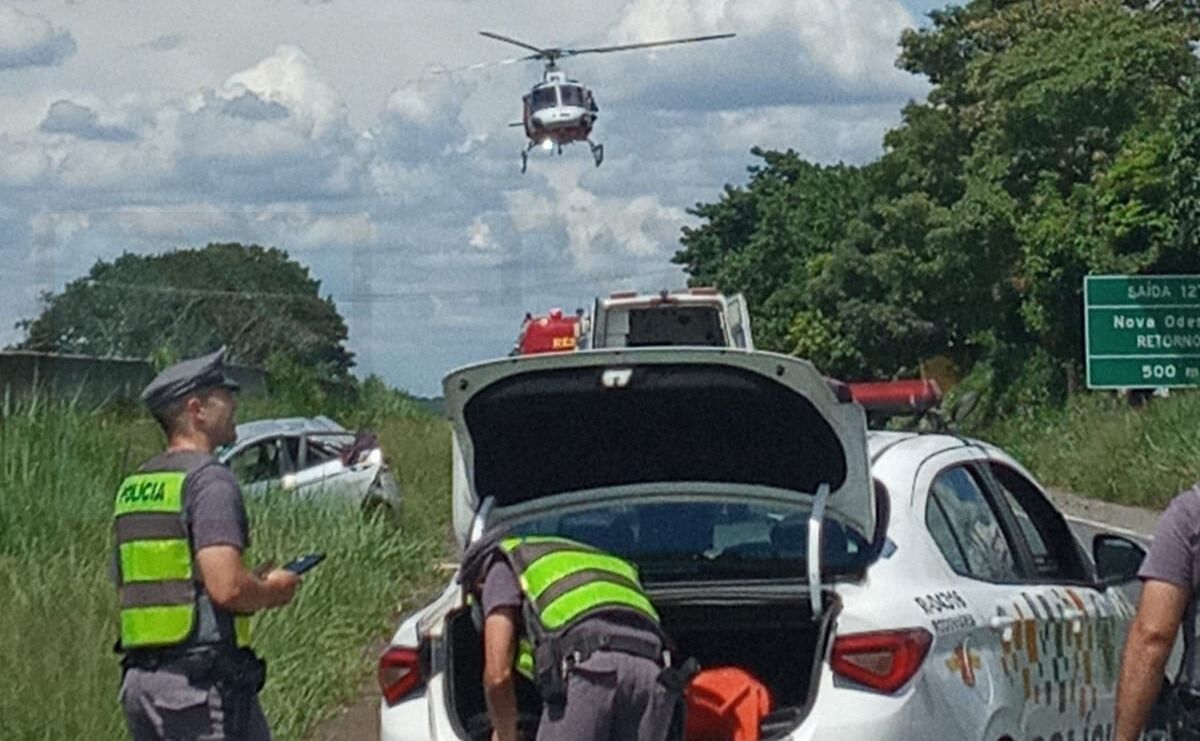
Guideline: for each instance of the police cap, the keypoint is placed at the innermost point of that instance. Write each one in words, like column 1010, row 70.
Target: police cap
column 207, row 371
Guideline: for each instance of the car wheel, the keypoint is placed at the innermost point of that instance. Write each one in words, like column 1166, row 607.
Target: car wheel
column 375, row 504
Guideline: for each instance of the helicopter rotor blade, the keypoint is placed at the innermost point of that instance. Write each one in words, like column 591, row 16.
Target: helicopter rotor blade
column 478, row 65
column 644, row 45
column 521, row 44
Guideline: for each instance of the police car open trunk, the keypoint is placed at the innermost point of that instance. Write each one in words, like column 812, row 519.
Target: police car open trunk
column 775, row 640
column 738, row 482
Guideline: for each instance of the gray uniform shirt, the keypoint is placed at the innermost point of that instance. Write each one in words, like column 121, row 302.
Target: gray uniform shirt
column 215, row 510
column 1174, row 557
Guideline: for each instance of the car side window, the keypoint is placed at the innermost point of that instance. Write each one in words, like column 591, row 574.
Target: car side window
column 966, row 528
column 290, row 461
column 318, row 450
column 943, row 534
column 259, row 462
column 1055, row 554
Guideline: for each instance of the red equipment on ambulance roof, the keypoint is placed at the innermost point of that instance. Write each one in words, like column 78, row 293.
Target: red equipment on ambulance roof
column 551, row 333
column 914, row 396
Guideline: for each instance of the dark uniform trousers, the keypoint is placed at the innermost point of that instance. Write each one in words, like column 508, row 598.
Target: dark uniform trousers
column 611, row 697
column 163, row 705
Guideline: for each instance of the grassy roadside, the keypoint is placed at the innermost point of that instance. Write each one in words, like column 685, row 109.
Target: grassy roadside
column 58, row 468
column 1099, row 446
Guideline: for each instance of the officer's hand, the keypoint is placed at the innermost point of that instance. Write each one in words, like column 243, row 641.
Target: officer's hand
column 282, row 585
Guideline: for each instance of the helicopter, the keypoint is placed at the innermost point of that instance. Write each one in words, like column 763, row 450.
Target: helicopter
column 560, row 110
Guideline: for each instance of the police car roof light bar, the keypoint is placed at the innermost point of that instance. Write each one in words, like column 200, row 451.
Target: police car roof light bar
column 912, row 396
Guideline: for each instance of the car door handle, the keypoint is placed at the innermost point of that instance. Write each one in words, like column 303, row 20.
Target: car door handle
column 1003, row 624
column 1075, row 617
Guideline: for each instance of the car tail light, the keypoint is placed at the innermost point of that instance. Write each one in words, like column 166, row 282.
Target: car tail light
column 399, row 672
column 883, row 660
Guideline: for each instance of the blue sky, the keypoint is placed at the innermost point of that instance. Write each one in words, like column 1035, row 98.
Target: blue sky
column 147, row 125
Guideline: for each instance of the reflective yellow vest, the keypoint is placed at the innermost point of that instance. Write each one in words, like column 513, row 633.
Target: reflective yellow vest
column 563, row 582
column 156, row 584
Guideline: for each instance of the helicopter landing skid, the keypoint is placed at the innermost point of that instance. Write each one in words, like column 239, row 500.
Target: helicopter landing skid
column 597, row 152
column 525, row 157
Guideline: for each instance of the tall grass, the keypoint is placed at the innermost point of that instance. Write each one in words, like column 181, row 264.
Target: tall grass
column 59, row 469
column 1099, row 446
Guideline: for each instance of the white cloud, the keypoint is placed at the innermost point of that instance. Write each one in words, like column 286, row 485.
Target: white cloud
column 57, row 235
column 49, row 231
column 600, row 231
column 288, row 77
column 171, row 225
column 21, row 163
column 31, row 41
column 785, row 52
column 479, row 235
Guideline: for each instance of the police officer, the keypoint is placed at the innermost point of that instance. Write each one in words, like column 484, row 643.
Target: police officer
column 185, row 595
column 574, row 620
column 1169, row 577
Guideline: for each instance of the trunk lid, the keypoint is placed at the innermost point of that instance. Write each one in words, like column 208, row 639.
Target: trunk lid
column 530, row 429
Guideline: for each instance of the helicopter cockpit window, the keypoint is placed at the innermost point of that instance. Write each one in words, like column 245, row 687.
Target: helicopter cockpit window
column 571, row 95
column 543, row 98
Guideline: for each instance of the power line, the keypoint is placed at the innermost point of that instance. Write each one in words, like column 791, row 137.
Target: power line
column 403, row 294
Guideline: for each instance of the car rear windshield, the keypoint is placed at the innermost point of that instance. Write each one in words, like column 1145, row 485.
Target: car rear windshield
column 690, row 540
column 692, row 326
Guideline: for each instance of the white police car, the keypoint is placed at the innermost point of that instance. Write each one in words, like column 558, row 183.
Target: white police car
column 947, row 599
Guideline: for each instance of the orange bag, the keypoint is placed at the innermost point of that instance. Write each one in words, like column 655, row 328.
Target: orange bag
column 725, row 704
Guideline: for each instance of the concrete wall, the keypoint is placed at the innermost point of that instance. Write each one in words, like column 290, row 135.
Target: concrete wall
column 92, row 381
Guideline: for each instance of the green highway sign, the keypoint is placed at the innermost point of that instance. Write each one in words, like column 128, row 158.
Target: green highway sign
column 1142, row 331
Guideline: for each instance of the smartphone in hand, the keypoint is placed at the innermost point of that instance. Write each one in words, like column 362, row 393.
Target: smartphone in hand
column 304, row 563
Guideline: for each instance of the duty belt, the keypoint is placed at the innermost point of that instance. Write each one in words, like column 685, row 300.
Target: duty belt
column 674, row 678
column 192, row 662
column 578, row 650
column 220, row 664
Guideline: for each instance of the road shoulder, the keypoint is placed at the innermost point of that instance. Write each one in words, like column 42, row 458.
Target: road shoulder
column 1115, row 517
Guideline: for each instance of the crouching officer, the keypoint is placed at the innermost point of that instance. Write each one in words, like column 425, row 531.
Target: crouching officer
column 574, row 620
column 185, row 595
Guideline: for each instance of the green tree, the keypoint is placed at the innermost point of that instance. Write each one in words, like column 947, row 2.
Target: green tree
column 256, row 301
column 1058, row 139
column 1185, row 178
column 762, row 239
